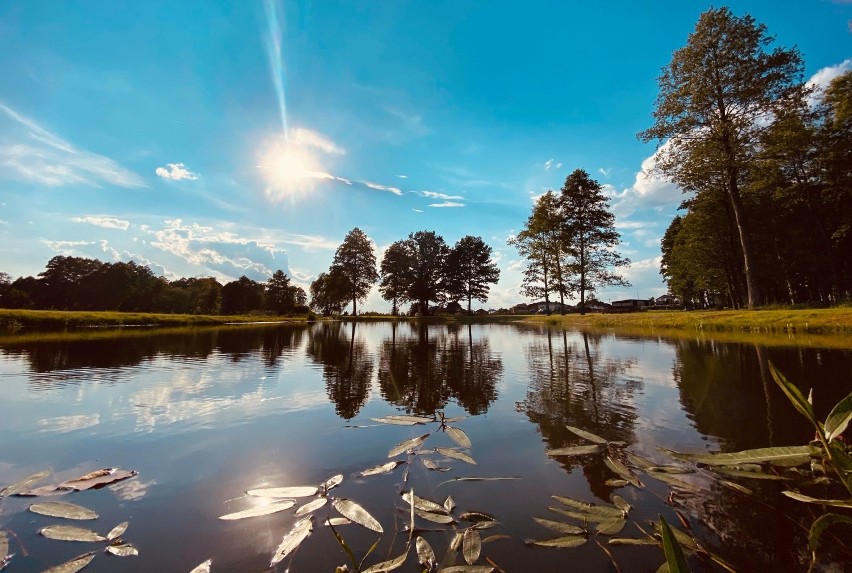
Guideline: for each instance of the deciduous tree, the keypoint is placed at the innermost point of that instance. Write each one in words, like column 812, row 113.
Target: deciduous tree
column 470, row 270
column 356, row 263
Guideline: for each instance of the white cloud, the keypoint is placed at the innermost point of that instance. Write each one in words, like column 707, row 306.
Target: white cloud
column 417, row 210
column 176, row 172
column 434, row 195
column 105, row 222
column 315, row 140
column 605, row 172
column 380, row 187
column 823, row 77
column 447, row 204
column 403, row 176
column 32, row 153
column 66, row 248
column 548, row 164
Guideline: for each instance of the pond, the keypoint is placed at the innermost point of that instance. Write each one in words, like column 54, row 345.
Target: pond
column 205, row 415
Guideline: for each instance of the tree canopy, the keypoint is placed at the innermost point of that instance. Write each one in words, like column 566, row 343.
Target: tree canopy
column 355, row 262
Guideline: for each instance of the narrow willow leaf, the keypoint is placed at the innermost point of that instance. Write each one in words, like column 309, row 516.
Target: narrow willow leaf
column 610, row 526
column 337, row 521
column 402, row 420
column 356, row 513
column 23, row 484
column 64, row 510
column 388, row 565
column 118, row 530
column 621, row 504
column 567, row 541
column 631, row 541
column 674, row 554
column 379, row 470
column 294, row 491
column 331, row 482
column 425, row 555
column 468, row 569
column 493, row 538
column 736, row 486
column 592, row 517
column 847, row 503
column 821, row 525
column 291, row 541
column 70, row 533
column 783, row 455
column 622, row 471
column 449, row 504
column 794, row 395
column 76, row 564
column 472, row 546
column 476, row 516
column 670, row 470
column 311, row 506
column 411, row 444
column 203, row 567
column 560, row 526
column 442, row 518
column 423, row 504
column 674, row 482
column 122, row 550
column 639, row 461
column 456, row 455
column 458, row 436
column 260, row 510
column 586, row 435
column 616, row 482
column 454, row 419
column 98, row 478
column 839, row 418
column 604, row 511
column 4, row 549
column 430, row 465
column 726, row 471
column 574, row 451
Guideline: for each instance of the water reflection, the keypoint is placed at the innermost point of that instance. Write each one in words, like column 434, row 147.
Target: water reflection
column 422, row 370
column 347, row 366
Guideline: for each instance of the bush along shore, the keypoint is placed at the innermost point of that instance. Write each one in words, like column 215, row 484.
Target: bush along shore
column 59, row 319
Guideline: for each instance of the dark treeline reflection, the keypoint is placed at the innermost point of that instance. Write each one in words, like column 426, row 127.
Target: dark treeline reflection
column 347, row 366
column 52, row 355
column 729, row 393
column 573, row 383
column 422, row 369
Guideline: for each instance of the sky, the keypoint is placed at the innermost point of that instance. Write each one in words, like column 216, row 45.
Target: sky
column 220, row 138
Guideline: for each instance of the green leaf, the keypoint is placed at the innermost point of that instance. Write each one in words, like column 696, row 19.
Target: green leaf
column 423, row 504
column 356, row 513
column 586, row 435
column 63, row 509
column 434, row 517
column 407, row 445
column 674, row 554
column 783, row 455
column 622, row 471
column 574, row 451
column 673, row 481
column 567, row 541
column 611, row 526
column 70, row 533
column 403, row 420
column 379, row 470
column 604, row 511
column 846, row 503
column 631, row 541
column 748, row 474
column 795, row 396
column 821, row 525
column 560, row 526
column 456, row 455
column 23, row 484
column 458, row 436
column 621, row 504
column 839, row 418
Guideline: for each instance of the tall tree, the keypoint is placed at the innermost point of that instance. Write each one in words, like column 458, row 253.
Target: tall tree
column 716, row 95
column 470, row 270
column 279, row 296
column 589, row 226
column 427, row 253
column 535, row 242
column 242, row 296
column 329, row 292
column 396, row 274
column 356, row 263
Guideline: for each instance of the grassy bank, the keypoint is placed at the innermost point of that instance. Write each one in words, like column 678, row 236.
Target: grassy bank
column 58, row 319
column 776, row 321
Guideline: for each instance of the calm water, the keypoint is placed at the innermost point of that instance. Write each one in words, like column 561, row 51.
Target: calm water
column 206, row 414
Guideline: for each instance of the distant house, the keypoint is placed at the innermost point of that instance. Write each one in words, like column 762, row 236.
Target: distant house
column 631, row 304
column 543, row 307
column 665, row 300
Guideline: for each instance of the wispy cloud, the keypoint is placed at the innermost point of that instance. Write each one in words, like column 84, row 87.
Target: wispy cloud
column 380, row 187
column 66, row 247
column 314, row 139
column 605, row 172
column 105, row 222
column 434, row 195
column 447, row 204
column 403, row 176
column 176, row 172
column 30, row 152
column 417, row 210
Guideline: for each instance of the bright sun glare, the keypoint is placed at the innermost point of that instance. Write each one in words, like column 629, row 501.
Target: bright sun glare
column 288, row 167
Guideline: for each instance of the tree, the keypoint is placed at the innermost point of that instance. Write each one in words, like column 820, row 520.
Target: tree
column 427, row 253
column 716, row 95
column 396, row 274
column 591, row 233
column 356, row 263
column 282, row 297
column 329, row 292
column 61, row 280
column 536, row 243
column 470, row 270
column 242, row 296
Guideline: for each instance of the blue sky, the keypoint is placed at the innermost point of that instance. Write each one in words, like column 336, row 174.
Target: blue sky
column 226, row 138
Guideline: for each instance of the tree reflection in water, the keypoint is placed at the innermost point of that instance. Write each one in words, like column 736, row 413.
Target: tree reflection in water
column 573, row 383
column 347, row 366
column 422, row 373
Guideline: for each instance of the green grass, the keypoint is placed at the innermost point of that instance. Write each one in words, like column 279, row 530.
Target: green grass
column 59, row 319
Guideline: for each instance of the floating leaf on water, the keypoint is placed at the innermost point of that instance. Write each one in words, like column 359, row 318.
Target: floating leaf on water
column 839, row 418
column 203, row 567
column 726, row 471
column 605, row 511
column 23, row 484
column 621, row 504
column 70, row 533
column 586, row 435
column 560, row 526
column 122, row 550
column 291, row 541
column 574, row 451
column 4, row 550
column 403, row 420
column 98, row 479
column 311, row 506
column 423, row 504
column 567, row 541
column 331, row 482
column 260, row 510
column 468, row 569
column 456, row 455
column 411, row 444
column 118, row 530
column 449, row 504
column 434, row 517
column 622, row 471
column 616, row 482
column 74, row 565
column 388, row 565
column 471, row 546
column 379, row 470
column 425, row 555
column 294, row 491
column 670, row 470
column 631, row 541
column 782, row 455
column 64, row 510
column 430, row 465
column 458, row 436
column 639, row 461
column 493, row 538
column 476, row 516
column 674, row 482
column 476, row 478
column 337, row 521
column 356, row 513
column 610, row 526
column 847, row 503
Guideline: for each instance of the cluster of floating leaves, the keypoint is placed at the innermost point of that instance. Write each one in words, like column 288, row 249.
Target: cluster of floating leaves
column 70, row 511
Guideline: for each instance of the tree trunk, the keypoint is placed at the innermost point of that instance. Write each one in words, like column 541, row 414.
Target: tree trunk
column 745, row 240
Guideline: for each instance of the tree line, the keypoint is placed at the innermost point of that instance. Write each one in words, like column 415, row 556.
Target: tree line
column 419, row 270
column 766, row 161
column 77, row 283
